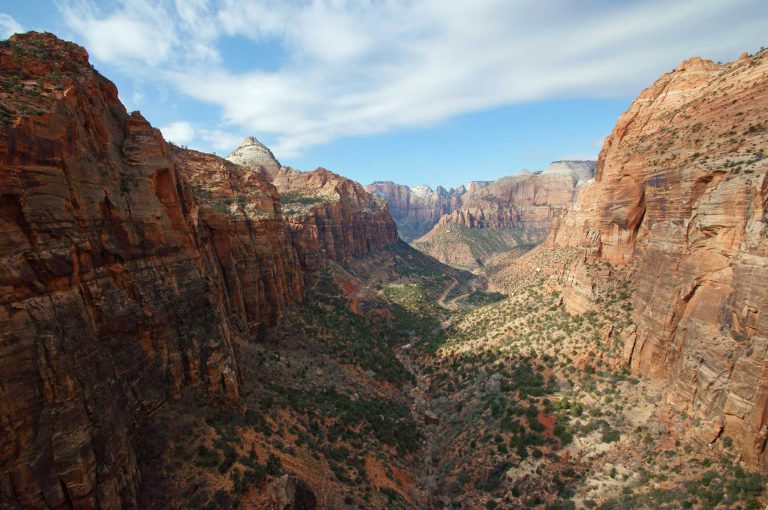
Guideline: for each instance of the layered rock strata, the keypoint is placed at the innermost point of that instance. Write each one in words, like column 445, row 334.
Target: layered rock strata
column 417, row 209
column 510, row 213
column 242, row 236
column 120, row 288
column 525, row 201
column 679, row 203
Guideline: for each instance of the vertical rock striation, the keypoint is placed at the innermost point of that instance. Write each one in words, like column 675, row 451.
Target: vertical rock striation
column 243, row 237
column 119, row 288
column 679, row 202
column 525, row 201
column 416, row 210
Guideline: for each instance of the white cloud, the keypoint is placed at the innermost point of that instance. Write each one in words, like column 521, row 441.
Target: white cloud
column 185, row 133
column 137, row 30
column 137, row 98
column 364, row 67
column 9, row 26
column 180, row 133
column 219, row 139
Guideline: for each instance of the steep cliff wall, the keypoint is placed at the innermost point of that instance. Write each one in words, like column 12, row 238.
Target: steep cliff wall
column 116, row 286
column 330, row 216
column 679, row 204
column 243, row 237
column 416, row 210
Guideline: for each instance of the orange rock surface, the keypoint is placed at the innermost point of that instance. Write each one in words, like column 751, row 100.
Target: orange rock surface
column 679, row 202
column 243, row 236
column 118, row 288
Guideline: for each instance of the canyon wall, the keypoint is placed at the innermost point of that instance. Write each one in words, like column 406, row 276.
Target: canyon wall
column 416, row 210
column 243, row 237
column 130, row 268
column 122, row 284
column 679, row 207
column 525, row 201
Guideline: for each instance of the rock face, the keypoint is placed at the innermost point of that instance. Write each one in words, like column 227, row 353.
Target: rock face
column 330, row 216
column 120, row 289
column 416, row 210
column 513, row 212
column 526, row 201
column 679, row 202
column 291, row 493
column 243, row 237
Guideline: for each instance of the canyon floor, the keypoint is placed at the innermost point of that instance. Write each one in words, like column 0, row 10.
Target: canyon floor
column 401, row 383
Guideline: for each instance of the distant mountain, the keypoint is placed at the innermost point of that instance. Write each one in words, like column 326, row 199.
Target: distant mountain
column 417, row 209
column 330, row 216
column 255, row 155
column 511, row 214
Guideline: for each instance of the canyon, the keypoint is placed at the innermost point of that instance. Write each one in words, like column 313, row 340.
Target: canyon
column 181, row 330
column 523, row 202
column 416, row 210
column 130, row 269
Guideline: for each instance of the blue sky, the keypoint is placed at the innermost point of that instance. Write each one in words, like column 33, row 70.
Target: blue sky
column 414, row 91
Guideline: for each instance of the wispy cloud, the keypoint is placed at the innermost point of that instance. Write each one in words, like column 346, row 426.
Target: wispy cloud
column 365, row 67
column 180, row 133
column 8, row 26
column 183, row 133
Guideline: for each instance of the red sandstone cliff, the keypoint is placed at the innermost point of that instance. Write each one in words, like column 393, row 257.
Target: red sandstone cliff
column 330, row 216
column 120, row 289
column 242, row 236
column 679, row 203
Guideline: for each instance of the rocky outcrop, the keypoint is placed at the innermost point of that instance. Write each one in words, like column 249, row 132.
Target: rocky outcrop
column 330, row 216
column 291, row 493
column 525, row 201
column 255, row 155
column 416, row 210
column 119, row 288
column 510, row 213
column 679, row 203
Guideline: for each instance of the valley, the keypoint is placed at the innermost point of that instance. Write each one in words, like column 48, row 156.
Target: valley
column 506, row 401
column 181, row 330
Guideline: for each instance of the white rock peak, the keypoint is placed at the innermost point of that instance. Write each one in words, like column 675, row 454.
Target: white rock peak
column 579, row 170
column 255, row 155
